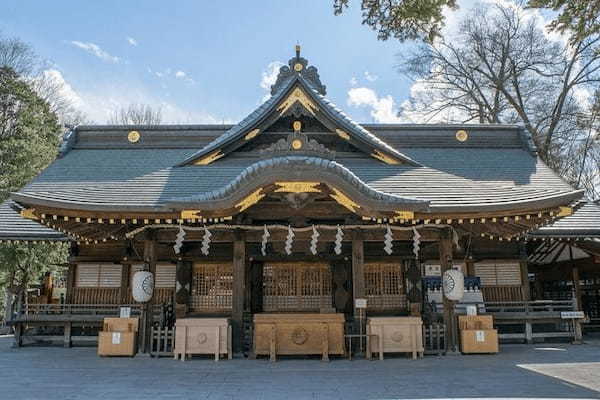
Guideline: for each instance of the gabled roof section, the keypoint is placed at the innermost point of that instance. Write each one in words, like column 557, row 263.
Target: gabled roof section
column 298, row 85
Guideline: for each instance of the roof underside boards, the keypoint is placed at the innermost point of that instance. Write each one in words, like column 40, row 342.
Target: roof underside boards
column 452, row 179
column 15, row 227
column 584, row 223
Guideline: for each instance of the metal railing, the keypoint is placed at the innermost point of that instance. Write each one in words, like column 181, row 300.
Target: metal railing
column 530, row 307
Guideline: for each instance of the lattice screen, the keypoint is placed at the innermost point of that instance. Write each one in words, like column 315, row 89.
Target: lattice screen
column 98, row 275
column 296, row 287
column 498, row 273
column 384, row 286
column 212, row 287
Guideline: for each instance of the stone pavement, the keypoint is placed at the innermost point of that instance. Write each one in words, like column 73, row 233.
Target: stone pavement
column 56, row 373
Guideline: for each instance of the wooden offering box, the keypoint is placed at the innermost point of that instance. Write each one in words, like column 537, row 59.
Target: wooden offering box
column 118, row 337
column 202, row 336
column 301, row 334
column 396, row 335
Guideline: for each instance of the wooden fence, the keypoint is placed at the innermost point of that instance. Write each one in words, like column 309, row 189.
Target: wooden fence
column 502, row 293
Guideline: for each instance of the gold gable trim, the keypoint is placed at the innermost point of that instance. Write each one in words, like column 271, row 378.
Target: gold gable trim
column 210, row 158
column 252, row 134
column 28, row 213
column 342, row 134
column 191, row 214
column 565, row 212
column 298, row 187
column 250, row 200
column 297, row 95
column 385, row 158
column 344, row 200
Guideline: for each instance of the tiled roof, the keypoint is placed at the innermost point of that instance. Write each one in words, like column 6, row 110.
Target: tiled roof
column 14, row 227
column 583, row 223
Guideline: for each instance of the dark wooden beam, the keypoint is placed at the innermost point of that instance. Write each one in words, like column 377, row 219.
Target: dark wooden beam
column 358, row 268
column 446, row 250
column 239, row 282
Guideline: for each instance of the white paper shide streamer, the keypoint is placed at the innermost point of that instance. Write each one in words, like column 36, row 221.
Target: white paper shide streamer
column 265, row 238
column 179, row 240
column 338, row 241
column 289, row 240
column 388, row 241
column 313, row 241
column 416, row 242
column 206, row 242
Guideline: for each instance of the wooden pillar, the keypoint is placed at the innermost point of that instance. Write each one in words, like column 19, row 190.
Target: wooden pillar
column 358, row 269
column 525, row 287
column 70, row 283
column 150, row 260
column 124, row 290
column 239, row 283
column 445, row 250
column 470, row 267
column 576, row 288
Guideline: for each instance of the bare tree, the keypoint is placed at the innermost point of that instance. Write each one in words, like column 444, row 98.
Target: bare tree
column 136, row 114
column 17, row 55
column 502, row 68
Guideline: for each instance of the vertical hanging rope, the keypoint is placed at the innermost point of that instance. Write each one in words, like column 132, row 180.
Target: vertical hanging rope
column 416, row 242
column 338, row 241
column 206, row 242
column 289, row 240
column 263, row 244
column 179, row 240
column 313, row 241
column 388, row 241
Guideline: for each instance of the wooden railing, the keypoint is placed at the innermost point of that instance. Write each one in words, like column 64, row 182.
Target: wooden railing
column 529, row 307
column 95, row 295
column 502, row 293
column 78, row 309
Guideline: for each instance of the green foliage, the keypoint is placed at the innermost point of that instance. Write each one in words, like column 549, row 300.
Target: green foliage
column 29, row 138
column 579, row 17
column 23, row 263
column 29, row 133
column 402, row 19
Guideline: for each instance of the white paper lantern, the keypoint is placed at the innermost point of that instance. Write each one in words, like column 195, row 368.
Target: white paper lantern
column 142, row 286
column 454, row 284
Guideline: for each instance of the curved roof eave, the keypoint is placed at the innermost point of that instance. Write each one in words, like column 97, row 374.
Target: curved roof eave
column 297, row 168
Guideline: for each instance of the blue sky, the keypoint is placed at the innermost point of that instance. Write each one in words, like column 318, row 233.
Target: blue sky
column 203, row 61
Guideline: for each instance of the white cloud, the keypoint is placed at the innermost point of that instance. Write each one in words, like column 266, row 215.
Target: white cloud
column 383, row 109
column 269, row 77
column 353, row 81
column 132, row 41
column 99, row 105
column 370, row 77
column 180, row 74
column 95, row 50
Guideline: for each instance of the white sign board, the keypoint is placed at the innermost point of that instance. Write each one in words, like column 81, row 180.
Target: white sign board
column 572, row 315
column 125, row 312
column 360, row 303
column 480, row 336
column 116, row 338
column 471, row 310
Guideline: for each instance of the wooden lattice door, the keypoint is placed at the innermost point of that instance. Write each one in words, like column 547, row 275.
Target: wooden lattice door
column 296, row 286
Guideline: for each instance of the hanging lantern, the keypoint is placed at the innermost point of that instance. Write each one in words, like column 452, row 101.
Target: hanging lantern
column 142, row 286
column 454, row 284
